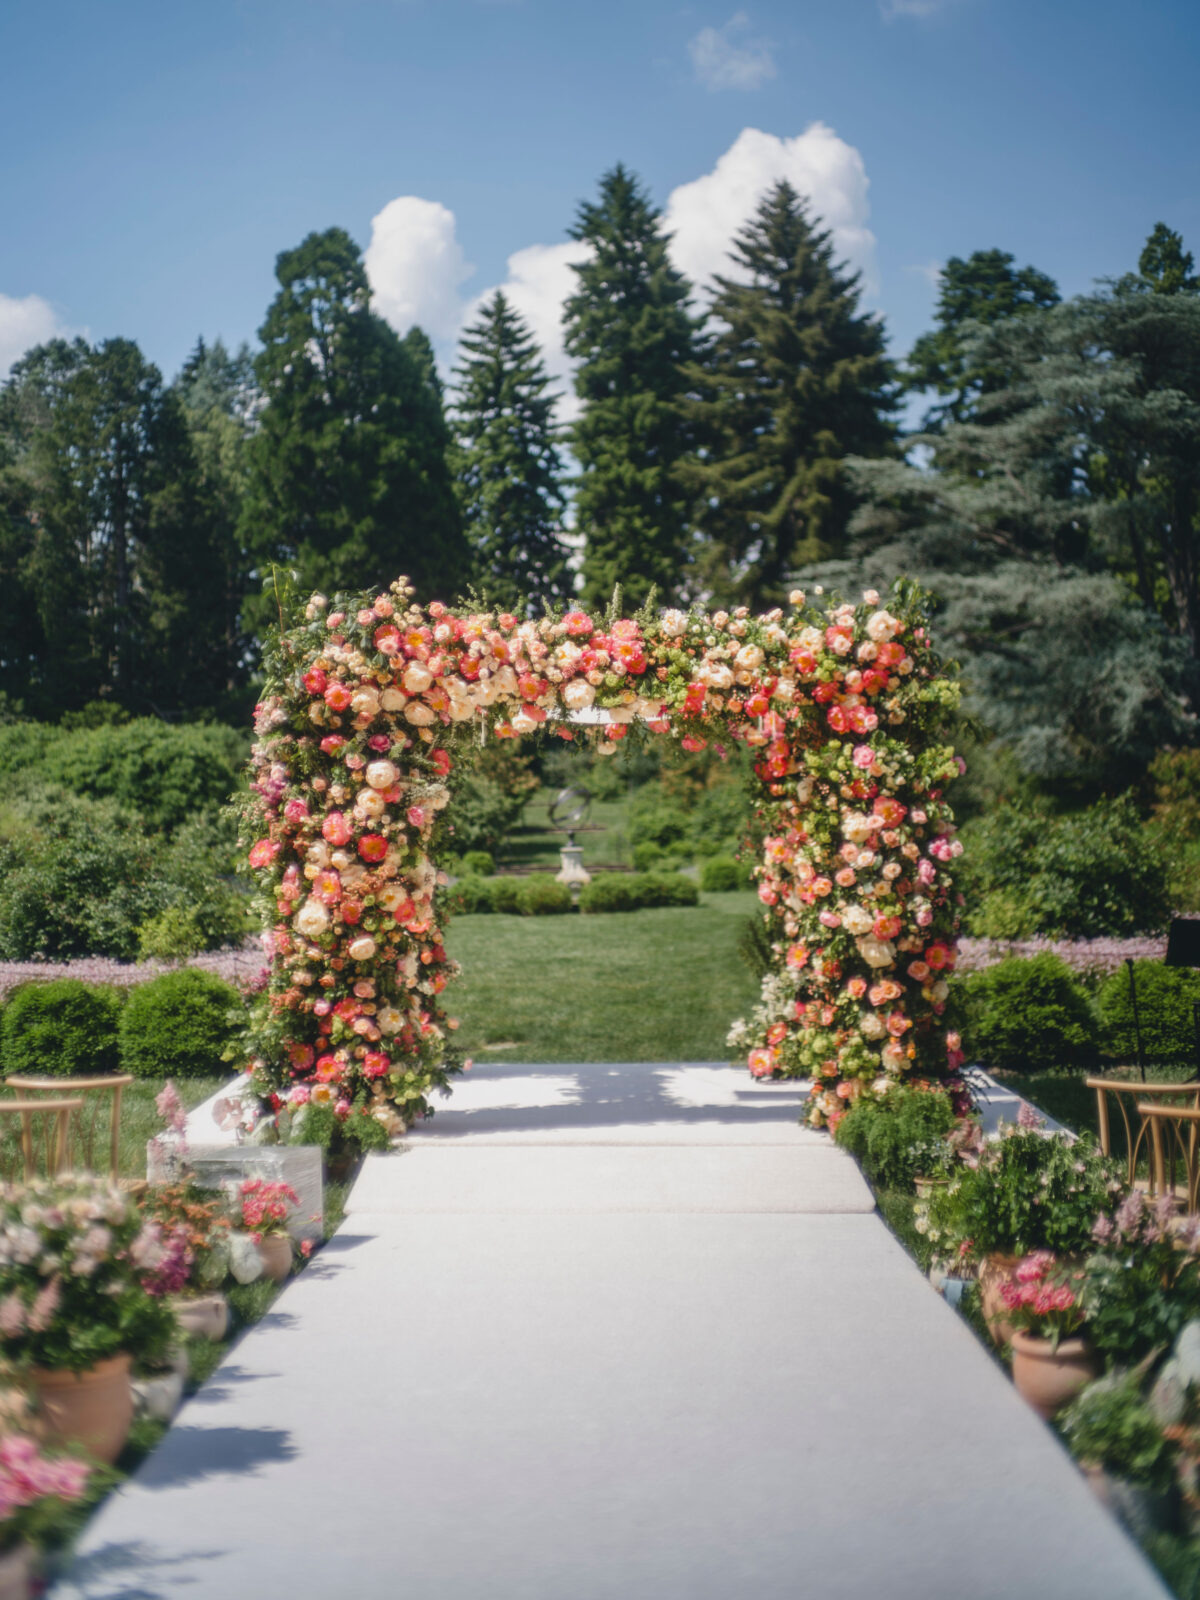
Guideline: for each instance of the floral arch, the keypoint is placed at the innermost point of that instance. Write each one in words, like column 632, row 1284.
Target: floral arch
column 846, row 707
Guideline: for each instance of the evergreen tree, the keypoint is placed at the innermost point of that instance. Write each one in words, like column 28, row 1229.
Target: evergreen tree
column 348, row 479
column 629, row 328
column 795, row 380
column 507, row 462
column 1164, row 266
column 984, row 289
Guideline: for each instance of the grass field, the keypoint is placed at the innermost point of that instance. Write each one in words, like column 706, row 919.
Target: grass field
column 660, row 985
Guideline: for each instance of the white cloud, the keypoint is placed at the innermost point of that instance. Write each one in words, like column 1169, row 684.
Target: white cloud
column 539, row 280
column 931, row 271
column 724, row 58
column 416, row 265
column 24, row 323
column 704, row 215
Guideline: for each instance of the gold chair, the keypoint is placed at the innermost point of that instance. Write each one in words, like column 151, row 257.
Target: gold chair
column 35, row 1138
column 1127, row 1097
column 97, row 1096
column 1175, row 1137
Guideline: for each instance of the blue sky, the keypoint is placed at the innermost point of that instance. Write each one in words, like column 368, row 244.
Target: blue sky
column 159, row 156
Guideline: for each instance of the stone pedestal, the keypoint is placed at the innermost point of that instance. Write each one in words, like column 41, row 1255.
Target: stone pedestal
column 296, row 1164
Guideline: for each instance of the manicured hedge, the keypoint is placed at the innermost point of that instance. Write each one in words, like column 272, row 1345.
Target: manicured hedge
column 1165, row 997
column 178, row 1026
column 636, row 891
column 61, row 1027
column 1028, row 1014
column 719, row 874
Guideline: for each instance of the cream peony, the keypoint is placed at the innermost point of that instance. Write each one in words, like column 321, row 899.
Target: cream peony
column 419, row 715
column 369, row 803
column 881, row 625
column 417, row 677
column 858, row 828
column 524, row 723
column 393, row 700
column 381, row 774
column 362, row 948
column 311, row 920
column 876, row 952
column 749, row 658
column 872, row 1026
column 857, row 921
column 365, row 702
column 578, row 694
column 673, row 624
column 389, row 1019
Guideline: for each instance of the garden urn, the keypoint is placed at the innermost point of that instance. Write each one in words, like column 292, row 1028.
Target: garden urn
column 93, row 1408
column 1046, row 1377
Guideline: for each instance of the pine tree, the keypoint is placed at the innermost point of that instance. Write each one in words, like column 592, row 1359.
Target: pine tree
column 348, row 481
column 982, row 290
column 508, row 467
column 629, row 328
column 796, row 379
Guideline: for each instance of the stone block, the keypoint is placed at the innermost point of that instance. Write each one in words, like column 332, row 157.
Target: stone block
column 296, row 1164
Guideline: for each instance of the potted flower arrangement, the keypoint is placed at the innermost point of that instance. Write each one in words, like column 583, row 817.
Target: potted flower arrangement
column 1027, row 1191
column 1051, row 1363
column 1124, row 1451
column 74, row 1309
column 265, row 1208
column 1142, row 1283
column 195, row 1221
column 36, row 1490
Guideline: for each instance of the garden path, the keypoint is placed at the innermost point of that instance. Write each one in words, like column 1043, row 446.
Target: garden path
column 609, row 1332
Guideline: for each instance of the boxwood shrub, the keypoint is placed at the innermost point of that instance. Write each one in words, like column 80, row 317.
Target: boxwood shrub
column 634, row 891
column 1165, row 997
column 470, row 896
column 177, row 1026
column 61, row 1027
column 542, row 896
column 719, row 874
column 1028, row 1014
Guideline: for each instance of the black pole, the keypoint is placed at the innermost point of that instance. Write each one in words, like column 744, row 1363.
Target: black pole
column 1137, row 1027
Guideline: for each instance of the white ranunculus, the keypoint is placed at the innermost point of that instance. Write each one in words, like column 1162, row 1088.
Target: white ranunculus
column 784, row 689
column 876, row 952
column 894, row 1058
column 362, row 948
column 311, row 920
column 417, row 677
column 578, row 694
column 857, row 921
column 381, row 774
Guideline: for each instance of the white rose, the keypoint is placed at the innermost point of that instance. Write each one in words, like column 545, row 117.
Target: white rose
column 419, row 714
column 578, row 695
column 417, row 677
column 393, row 700
column 857, row 921
column 872, row 1026
column 894, row 1058
column 362, row 948
column 881, row 626
column 389, row 1020
column 857, row 828
column 369, row 803
column 524, row 723
column 876, row 952
column 365, row 703
column 317, row 854
column 381, row 774
column 784, row 689
column 749, row 658
column 311, row 920
column 673, row 624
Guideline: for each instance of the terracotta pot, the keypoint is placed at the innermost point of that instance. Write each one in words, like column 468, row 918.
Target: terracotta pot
column 16, row 1576
column 994, row 1270
column 276, row 1252
column 1047, row 1378
column 92, row 1408
column 204, row 1315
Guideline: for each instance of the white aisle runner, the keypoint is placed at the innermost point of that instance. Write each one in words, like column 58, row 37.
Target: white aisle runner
column 609, row 1333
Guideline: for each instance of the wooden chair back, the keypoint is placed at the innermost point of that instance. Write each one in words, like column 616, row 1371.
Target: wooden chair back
column 96, row 1130
column 1175, row 1143
column 1128, row 1098
column 35, row 1138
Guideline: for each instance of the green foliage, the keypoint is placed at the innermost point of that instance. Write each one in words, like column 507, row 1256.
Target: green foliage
column 508, row 468
column 1084, row 875
column 1110, row 1425
column 1029, row 1192
column 629, row 329
column 61, row 1027
column 505, row 895
column 1142, row 1284
column 469, row 896
column 795, row 378
column 1165, row 997
column 634, row 891
column 1027, row 1014
column 541, row 896
column 889, row 1134
column 348, row 480
column 178, row 1025
column 82, row 877
column 478, row 863
column 490, row 787
column 720, row 874
column 1174, row 776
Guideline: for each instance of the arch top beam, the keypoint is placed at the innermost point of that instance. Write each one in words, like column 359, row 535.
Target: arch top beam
column 845, row 706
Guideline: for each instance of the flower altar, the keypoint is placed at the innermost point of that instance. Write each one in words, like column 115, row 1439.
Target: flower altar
column 845, row 706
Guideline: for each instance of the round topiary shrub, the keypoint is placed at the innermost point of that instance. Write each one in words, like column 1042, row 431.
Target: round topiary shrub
column 720, row 874
column 61, row 1027
column 470, row 896
column 1165, row 997
column 1028, row 1015
column 542, row 896
column 673, row 890
column 506, row 895
column 611, row 891
column 177, row 1026
column 478, row 864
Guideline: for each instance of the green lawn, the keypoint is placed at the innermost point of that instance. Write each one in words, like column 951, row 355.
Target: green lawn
column 660, row 985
